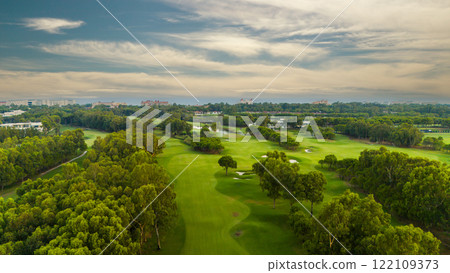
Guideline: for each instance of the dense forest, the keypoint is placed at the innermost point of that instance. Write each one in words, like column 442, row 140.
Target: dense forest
column 412, row 187
column 361, row 225
column 24, row 158
column 83, row 209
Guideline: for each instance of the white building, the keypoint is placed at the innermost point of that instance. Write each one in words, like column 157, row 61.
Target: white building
column 40, row 102
column 12, row 113
column 109, row 104
column 24, row 125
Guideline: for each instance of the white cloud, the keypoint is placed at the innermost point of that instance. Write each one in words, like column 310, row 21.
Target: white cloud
column 132, row 54
column 242, row 45
column 398, row 45
column 51, row 25
column 408, row 20
column 337, row 80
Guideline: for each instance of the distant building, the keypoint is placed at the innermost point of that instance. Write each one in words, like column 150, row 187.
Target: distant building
column 12, row 113
column 2, row 103
column 246, row 101
column 154, row 103
column 109, row 104
column 199, row 113
column 321, row 102
column 40, row 102
column 24, row 125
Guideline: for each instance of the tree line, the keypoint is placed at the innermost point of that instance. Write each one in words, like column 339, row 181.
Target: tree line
column 412, row 187
column 309, row 186
column 367, row 109
column 275, row 136
column 34, row 155
column 83, row 209
column 405, row 135
column 8, row 132
column 359, row 226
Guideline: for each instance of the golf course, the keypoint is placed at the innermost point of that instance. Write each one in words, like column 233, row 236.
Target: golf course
column 219, row 214
column 229, row 214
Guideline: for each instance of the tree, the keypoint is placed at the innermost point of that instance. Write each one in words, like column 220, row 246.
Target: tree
column 301, row 223
column 447, row 148
column 208, row 145
column 227, row 161
column 178, row 126
column 407, row 135
column 402, row 240
column 327, row 133
column 268, row 182
column 314, row 183
column 330, row 160
column 434, row 143
column 350, row 219
column 277, row 165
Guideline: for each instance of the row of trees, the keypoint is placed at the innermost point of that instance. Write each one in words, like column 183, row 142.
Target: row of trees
column 369, row 109
column 207, row 143
column 362, row 227
column 289, row 180
column 8, row 132
column 34, row 155
column 435, row 143
column 405, row 135
column 83, row 209
column 274, row 136
column 412, row 187
column 104, row 120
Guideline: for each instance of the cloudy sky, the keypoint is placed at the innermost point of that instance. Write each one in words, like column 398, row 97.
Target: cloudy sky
column 376, row 50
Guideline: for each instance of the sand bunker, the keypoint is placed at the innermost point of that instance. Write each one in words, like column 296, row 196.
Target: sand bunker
column 293, row 161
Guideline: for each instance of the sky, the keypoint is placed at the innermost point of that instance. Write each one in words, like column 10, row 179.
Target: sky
column 374, row 50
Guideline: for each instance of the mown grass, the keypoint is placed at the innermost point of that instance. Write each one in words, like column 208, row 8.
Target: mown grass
column 90, row 135
column 221, row 214
column 445, row 136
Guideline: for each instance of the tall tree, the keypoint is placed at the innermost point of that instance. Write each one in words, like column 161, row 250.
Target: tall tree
column 314, row 185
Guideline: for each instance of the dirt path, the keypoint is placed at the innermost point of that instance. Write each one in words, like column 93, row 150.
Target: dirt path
column 12, row 190
column 54, row 168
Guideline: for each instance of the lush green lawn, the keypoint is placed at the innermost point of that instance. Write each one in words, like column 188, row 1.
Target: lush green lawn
column 90, row 135
column 445, row 136
column 220, row 214
column 231, row 215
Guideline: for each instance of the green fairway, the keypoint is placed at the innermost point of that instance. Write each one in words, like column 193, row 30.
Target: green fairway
column 221, row 214
column 445, row 136
column 90, row 135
